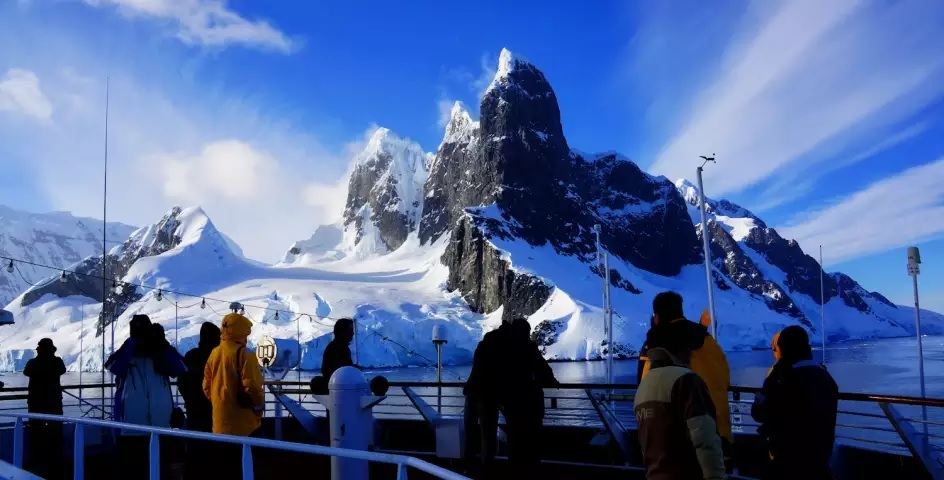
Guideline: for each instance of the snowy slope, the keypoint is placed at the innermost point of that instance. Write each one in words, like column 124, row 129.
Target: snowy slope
column 58, row 239
column 398, row 295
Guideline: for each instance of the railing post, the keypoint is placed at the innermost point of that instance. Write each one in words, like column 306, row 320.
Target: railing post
column 155, row 457
column 18, row 443
column 247, row 462
column 78, row 452
column 278, row 419
column 401, row 471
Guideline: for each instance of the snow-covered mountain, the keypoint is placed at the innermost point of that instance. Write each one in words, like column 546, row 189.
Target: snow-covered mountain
column 500, row 221
column 56, row 239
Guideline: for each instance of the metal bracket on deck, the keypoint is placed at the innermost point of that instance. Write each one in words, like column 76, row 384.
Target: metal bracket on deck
column 426, row 410
column 918, row 444
column 295, row 409
column 450, row 432
column 616, row 429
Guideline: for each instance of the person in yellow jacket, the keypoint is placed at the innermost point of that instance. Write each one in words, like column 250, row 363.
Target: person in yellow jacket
column 708, row 359
column 233, row 381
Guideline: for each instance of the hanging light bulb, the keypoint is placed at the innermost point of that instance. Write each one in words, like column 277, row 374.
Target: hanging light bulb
column 242, row 310
column 410, row 353
column 160, row 295
column 383, row 339
column 10, row 267
column 62, row 276
column 275, row 296
column 203, row 304
column 276, row 315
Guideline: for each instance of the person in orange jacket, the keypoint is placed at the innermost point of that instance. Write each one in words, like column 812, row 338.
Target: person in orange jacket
column 708, row 359
column 776, row 350
column 233, row 381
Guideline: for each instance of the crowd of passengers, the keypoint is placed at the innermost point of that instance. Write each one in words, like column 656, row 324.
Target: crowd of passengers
column 681, row 405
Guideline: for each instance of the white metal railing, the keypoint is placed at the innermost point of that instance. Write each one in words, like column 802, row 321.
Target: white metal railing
column 401, row 461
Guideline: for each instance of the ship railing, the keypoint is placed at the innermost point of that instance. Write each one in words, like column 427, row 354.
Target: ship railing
column 402, row 462
column 861, row 422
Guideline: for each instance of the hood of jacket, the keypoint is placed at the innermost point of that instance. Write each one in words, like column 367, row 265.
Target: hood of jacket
column 236, row 329
column 210, row 336
column 660, row 357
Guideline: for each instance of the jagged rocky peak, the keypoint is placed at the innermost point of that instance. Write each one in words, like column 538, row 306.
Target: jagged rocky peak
column 725, row 208
column 518, row 178
column 386, row 188
column 461, row 128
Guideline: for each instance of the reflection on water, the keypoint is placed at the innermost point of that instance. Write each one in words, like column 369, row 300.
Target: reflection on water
column 875, row 366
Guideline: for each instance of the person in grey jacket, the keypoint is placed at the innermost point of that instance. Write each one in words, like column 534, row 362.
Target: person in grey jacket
column 676, row 418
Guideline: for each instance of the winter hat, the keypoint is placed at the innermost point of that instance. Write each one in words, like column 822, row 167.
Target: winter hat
column 46, row 344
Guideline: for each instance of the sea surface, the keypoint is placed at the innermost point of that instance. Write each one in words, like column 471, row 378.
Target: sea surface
column 887, row 366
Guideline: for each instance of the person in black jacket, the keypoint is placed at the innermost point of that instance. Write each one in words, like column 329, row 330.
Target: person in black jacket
column 199, row 408
column 190, row 384
column 522, row 376
column 481, row 403
column 797, row 411
column 44, row 395
column 338, row 352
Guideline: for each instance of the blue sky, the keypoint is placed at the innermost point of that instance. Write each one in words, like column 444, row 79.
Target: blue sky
column 827, row 118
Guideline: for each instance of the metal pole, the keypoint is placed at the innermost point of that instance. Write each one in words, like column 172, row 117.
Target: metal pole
column 608, row 311
column 439, row 376
column 357, row 356
column 176, row 347
column 707, row 252
column 105, row 250
column 914, row 279
column 298, row 338
column 822, row 302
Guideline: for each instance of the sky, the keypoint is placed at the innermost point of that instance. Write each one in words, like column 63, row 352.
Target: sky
column 826, row 118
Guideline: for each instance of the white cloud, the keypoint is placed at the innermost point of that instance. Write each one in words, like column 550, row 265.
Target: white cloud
column 205, row 22
column 20, row 93
column 896, row 212
column 805, row 78
column 173, row 140
column 224, row 169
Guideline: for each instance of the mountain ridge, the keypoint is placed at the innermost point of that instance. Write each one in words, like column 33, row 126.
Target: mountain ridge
column 501, row 221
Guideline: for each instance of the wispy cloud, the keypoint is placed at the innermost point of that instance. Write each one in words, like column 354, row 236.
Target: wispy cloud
column 20, row 93
column 205, row 22
column 445, row 112
column 331, row 197
column 793, row 184
column 475, row 82
column 895, row 212
column 802, row 78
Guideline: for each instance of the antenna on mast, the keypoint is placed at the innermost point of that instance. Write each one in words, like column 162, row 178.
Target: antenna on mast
column 105, row 288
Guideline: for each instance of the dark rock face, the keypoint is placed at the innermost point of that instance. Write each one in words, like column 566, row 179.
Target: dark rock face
column 851, row 292
column 457, row 179
column 485, row 279
column 802, row 270
column 518, row 160
column 728, row 257
column 385, row 192
column 88, row 281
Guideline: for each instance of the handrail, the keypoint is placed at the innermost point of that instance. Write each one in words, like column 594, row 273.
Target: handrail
column 246, row 442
